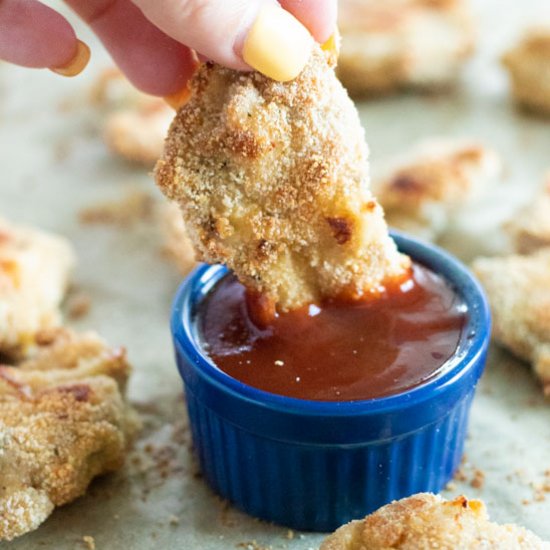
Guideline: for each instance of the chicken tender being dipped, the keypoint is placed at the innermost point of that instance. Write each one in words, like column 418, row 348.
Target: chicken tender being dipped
column 426, row 521
column 34, row 275
column 272, row 179
column 63, row 421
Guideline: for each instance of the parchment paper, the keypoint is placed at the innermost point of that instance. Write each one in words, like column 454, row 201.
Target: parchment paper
column 53, row 163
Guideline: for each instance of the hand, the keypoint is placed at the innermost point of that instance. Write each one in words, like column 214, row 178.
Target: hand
column 151, row 40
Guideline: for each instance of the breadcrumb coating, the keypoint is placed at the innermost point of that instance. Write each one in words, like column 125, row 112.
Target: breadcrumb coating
column 272, row 179
column 518, row 288
column 34, row 273
column 423, row 189
column 176, row 242
column 397, row 44
column 530, row 226
column 63, row 421
column 528, row 64
column 428, row 522
column 135, row 124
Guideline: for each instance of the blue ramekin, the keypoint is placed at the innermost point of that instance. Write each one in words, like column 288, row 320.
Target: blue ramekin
column 314, row 465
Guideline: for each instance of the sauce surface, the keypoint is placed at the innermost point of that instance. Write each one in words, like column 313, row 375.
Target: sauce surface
column 337, row 351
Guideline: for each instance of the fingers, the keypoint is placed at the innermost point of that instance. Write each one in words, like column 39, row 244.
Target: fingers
column 238, row 33
column 319, row 16
column 33, row 35
column 152, row 61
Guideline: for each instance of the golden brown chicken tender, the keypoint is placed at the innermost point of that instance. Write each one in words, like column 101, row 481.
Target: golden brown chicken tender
column 529, row 66
column 425, row 522
column 422, row 190
column 34, row 275
column 272, row 179
column 518, row 288
column 395, row 44
column 63, row 421
column 530, row 227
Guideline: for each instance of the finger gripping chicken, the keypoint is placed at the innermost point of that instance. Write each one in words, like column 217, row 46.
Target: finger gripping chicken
column 272, row 179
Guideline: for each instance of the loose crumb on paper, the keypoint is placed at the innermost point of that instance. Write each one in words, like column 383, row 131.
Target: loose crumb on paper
column 89, row 542
column 78, row 305
column 133, row 207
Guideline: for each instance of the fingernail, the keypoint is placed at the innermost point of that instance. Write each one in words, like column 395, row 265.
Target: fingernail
column 77, row 64
column 332, row 47
column 178, row 99
column 277, row 45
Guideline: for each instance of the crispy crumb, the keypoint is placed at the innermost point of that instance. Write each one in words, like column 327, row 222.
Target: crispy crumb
column 78, row 305
column 173, row 520
column 89, row 541
column 252, row 545
column 478, row 481
column 133, row 207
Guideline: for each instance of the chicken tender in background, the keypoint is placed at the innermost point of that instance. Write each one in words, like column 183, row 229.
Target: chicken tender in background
column 135, row 124
column 63, row 421
column 530, row 227
column 272, row 179
column 34, row 275
column 528, row 64
column 518, row 288
column 400, row 44
column 176, row 242
column 425, row 522
column 422, row 190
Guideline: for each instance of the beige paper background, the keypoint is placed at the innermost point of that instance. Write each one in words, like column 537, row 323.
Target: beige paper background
column 53, row 164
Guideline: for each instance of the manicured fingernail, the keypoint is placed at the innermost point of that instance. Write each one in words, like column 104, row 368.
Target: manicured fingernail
column 332, row 47
column 277, row 45
column 178, row 99
column 77, row 64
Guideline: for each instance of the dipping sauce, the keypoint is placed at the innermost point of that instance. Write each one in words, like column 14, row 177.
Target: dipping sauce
column 337, row 351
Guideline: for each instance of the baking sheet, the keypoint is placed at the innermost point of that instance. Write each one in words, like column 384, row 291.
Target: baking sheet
column 53, row 163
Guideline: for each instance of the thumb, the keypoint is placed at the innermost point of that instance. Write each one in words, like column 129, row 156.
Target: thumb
column 237, row 33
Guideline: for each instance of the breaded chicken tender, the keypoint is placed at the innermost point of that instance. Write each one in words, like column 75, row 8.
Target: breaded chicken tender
column 426, row 522
column 518, row 288
column 530, row 227
column 63, row 421
column 528, row 64
column 176, row 242
column 34, row 274
column 272, row 179
column 135, row 124
column 398, row 44
column 422, row 190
